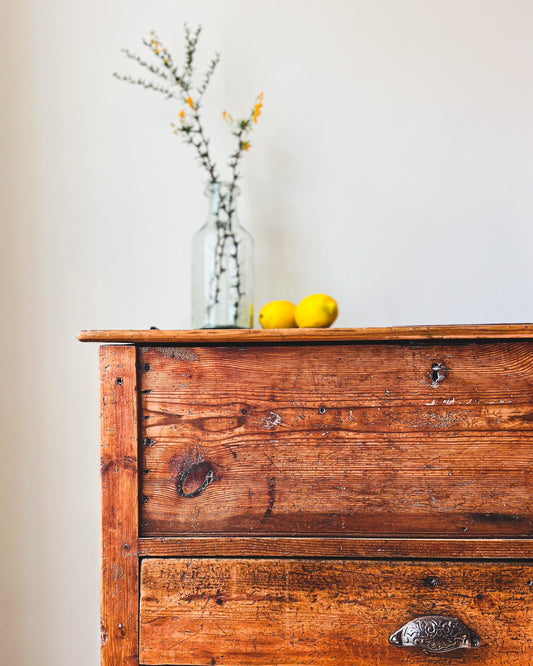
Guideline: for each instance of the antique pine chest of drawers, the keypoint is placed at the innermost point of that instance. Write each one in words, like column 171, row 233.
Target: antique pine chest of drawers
column 317, row 497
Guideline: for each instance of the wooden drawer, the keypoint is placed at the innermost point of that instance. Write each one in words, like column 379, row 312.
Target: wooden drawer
column 398, row 439
column 267, row 612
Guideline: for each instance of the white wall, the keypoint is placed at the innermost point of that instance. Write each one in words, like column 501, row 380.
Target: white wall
column 391, row 168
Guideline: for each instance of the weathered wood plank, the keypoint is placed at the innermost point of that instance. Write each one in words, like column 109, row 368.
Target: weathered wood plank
column 447, row 332
column 119, row 468
column 340, row 487
column 437, row 379
column 250, row 546
column 307, row 612
column 362, row 440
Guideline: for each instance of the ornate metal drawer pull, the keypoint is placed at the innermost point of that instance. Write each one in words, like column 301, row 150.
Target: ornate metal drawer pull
column 435, row 634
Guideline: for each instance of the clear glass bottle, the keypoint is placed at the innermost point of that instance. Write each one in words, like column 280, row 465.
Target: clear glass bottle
column 222, row 265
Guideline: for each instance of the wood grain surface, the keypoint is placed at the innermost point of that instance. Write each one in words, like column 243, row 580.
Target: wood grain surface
column 276, row 546
column 120, row 564
column 325, row 613
column 245, row 336
column 419, row 439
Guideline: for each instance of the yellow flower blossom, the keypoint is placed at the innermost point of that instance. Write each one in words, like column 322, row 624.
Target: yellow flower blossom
column 190, row 102
column 181, row 114
column 245, row 145
column 227, row 116
column 257, row 108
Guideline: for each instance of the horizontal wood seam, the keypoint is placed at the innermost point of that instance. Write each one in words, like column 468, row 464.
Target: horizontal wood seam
column 343, row 547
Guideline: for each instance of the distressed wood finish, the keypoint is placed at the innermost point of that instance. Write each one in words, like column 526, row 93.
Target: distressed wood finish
column 428, row 440
column 251, row 546
column 120, row 564
column 304, row 494
column 245, row 336
column 307, row 612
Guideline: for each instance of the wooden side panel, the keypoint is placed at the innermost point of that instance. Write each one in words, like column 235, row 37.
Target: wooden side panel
column 326, row 613
column 397, row 439
column 120, row 564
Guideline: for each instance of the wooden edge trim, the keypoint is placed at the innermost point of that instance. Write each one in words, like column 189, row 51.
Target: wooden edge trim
column 454, row 332
column 120, row 563
column 207, row 546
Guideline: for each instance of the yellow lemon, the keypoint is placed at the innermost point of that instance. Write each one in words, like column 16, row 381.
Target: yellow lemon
column 277, row 314
column 316, row 311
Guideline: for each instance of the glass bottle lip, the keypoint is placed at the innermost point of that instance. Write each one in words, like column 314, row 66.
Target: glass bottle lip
column 222, row 187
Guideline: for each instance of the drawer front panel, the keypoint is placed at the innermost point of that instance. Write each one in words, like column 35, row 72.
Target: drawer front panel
column 364, row 439
column 297, row 612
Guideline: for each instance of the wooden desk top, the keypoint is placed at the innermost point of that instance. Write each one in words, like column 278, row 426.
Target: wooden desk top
column 257, row 335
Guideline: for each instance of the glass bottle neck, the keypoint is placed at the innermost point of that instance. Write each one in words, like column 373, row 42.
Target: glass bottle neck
column 222, row 202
